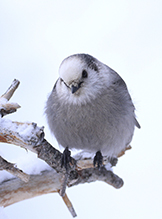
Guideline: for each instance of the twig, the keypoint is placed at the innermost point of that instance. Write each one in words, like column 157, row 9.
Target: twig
column 64, row 184
column 5, row 165
column 94, row 174
column 10, row 91
column 69, row 205
column 7, row 107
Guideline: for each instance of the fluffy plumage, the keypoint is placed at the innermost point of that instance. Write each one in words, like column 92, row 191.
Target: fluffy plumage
column 90, row 108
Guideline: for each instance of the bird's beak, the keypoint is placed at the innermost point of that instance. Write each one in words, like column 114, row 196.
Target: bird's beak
column 75, row 88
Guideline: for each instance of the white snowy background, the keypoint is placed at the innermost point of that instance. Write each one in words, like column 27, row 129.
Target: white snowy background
column 35, row 36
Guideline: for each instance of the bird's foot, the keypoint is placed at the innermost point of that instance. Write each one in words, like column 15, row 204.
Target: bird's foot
column 66, row 159
column 98, row 159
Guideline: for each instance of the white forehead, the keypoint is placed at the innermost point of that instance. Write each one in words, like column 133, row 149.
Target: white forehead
column 71, row 68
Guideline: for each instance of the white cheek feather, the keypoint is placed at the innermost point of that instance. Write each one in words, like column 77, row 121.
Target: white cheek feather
column 70, row 70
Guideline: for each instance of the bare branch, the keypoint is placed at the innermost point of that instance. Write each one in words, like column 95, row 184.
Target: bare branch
column 69, row 205
column 5, row 165
column 5, row 106
column 64, row 184
column 48, row 181
column 15, row 190
column 8, row 94
column 94, row 174
column 123, row 152
column 52, row 156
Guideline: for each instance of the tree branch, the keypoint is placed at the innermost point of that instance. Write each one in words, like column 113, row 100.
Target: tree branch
column 31, row 137
column 5, row 106
column 9, row 167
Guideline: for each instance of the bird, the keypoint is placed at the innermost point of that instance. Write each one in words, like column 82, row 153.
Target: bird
column 90, row 108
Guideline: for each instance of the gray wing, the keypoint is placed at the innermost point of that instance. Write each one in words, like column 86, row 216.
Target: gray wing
column 120, row 83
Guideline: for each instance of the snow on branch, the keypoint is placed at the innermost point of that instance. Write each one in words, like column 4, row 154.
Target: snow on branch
column 31, row 137
column 5, row 106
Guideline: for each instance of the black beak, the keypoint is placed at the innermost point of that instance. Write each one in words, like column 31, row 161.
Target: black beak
column 74, row 88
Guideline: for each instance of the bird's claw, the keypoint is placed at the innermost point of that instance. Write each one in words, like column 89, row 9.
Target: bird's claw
column 98, row 159
column 66, row 159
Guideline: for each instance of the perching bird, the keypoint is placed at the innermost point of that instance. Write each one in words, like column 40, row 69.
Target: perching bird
column 90, row 108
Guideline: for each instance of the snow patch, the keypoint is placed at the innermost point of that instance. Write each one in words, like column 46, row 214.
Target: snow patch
column 29, row 164
column 3, row 101
column 24, row 129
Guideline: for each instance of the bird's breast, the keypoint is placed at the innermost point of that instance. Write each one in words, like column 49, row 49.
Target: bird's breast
column 98, row 125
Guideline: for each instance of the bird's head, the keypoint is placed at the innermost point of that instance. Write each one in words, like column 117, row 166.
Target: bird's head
column 81, row 78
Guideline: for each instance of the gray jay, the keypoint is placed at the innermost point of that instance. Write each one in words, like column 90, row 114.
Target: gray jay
column 90, row 108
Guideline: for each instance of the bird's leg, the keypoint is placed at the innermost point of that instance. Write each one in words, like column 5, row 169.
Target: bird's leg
column 98, row 159
column 66, row 159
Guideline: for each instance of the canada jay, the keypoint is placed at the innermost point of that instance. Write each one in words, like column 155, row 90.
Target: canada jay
column 90, row 108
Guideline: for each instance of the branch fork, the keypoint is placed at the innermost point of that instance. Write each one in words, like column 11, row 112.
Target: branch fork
column 31, row 137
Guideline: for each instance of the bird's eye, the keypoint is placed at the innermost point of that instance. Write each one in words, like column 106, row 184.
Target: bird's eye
column 84, row 74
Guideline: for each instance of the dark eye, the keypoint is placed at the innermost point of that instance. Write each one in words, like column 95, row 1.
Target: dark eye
column 84, row 74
